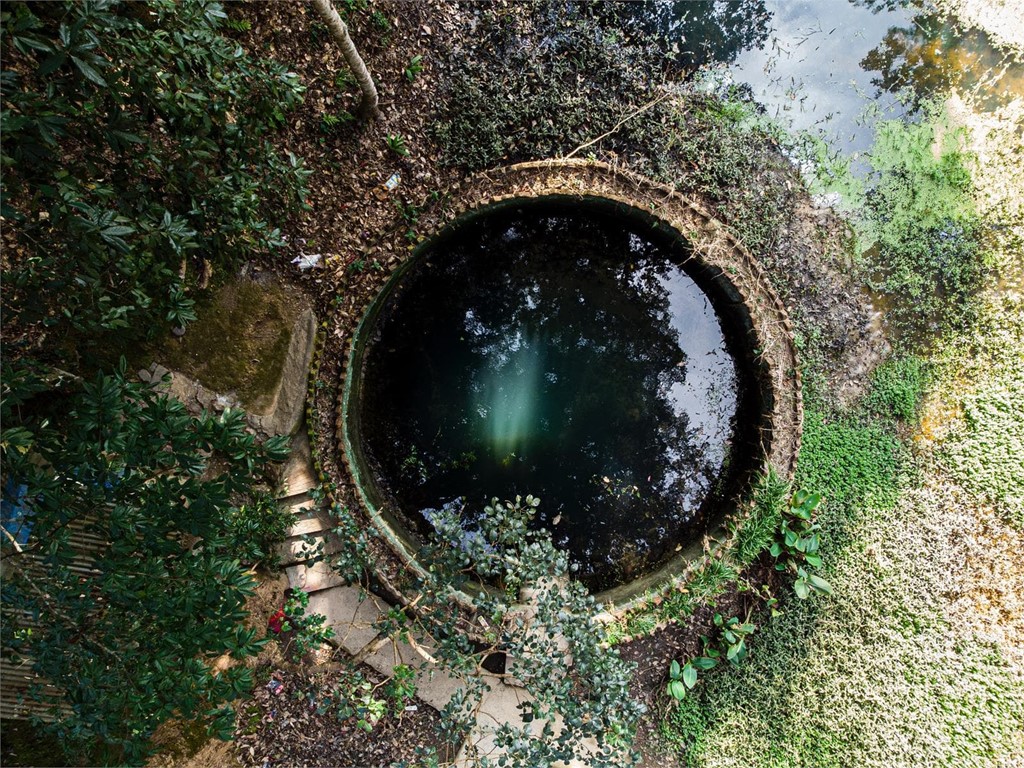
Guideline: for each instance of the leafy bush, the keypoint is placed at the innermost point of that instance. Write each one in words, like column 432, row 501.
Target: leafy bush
column 126, row 628
column 256, row 528
column 532, row 611
column 302, row 632
column 135, row 143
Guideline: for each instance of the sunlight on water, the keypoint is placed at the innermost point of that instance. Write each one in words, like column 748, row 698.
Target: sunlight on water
column 511, row 394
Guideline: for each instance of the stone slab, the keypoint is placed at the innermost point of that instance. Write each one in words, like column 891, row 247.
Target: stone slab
column 314, row 579
column 285, row 416
column 350, row 616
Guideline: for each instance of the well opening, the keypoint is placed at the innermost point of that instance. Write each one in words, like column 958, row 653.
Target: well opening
column 584, row 348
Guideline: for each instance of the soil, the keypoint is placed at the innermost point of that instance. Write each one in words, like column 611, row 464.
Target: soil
column 362, row 232
column 290, row 721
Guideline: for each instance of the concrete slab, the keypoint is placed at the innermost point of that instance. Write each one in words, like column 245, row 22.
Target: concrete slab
column 309, row 526
column 348, row 615
column 433, row 685
column 290, row 550
column 314, row 579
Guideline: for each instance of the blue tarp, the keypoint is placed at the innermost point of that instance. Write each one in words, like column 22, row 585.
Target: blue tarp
column 14, row 514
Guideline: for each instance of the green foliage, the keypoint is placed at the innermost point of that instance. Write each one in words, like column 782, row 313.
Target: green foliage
column 529, row 609
column 396, row 143
column 729, row 641
column 757, row 531
column 330, row 122
column 352, row 563
column 852, row 462
column 302, row 633
column 256, row 528
column 684, row 726
column 798, row 543
column 382, row 22
column 126, row 627
column 897, row 387
column 514, row 100
column 986, row 452
column 135, row 141
column 413, row 68
column 681, row 679
column 401, row 688
column 733, row 634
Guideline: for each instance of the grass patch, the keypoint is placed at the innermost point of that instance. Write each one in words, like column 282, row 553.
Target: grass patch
column 239, row 342
column 986, row 452
column 898, row 387
column 874, row 676
column 756, row 532
column 850, row 460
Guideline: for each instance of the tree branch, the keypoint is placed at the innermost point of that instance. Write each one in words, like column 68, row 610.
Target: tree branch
column 619, row 124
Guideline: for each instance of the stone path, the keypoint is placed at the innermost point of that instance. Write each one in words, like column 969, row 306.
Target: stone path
column 351, row 613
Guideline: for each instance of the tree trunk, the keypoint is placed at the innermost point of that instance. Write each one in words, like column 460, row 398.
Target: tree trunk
column 339, row 31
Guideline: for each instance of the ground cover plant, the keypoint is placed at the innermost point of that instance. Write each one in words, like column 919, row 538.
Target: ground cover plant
column 889, row 670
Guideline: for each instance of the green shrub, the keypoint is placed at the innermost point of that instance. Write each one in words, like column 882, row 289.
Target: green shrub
column 135, row 141
column 255, row 529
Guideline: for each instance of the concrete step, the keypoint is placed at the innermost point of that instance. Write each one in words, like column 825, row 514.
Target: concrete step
column 314, row 579
column 350, row 613
column 290, row 550
column 309, row 526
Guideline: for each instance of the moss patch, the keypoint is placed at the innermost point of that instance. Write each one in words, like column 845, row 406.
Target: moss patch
column 239, row 342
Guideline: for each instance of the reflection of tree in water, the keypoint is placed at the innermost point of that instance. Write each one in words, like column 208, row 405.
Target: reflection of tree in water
column 933, row 56
column 564, row 327
column 698, row 32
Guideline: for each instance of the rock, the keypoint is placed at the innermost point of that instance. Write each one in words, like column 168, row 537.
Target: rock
column 178, row 331
column 157, row 373
column 144, row 375
column 285, row 414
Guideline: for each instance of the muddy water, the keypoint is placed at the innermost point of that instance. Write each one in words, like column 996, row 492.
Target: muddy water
column 565, row 353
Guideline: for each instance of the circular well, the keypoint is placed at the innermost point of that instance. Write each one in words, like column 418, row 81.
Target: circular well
column 572, row 349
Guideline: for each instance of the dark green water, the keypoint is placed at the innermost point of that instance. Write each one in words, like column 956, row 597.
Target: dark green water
column 565, row 353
